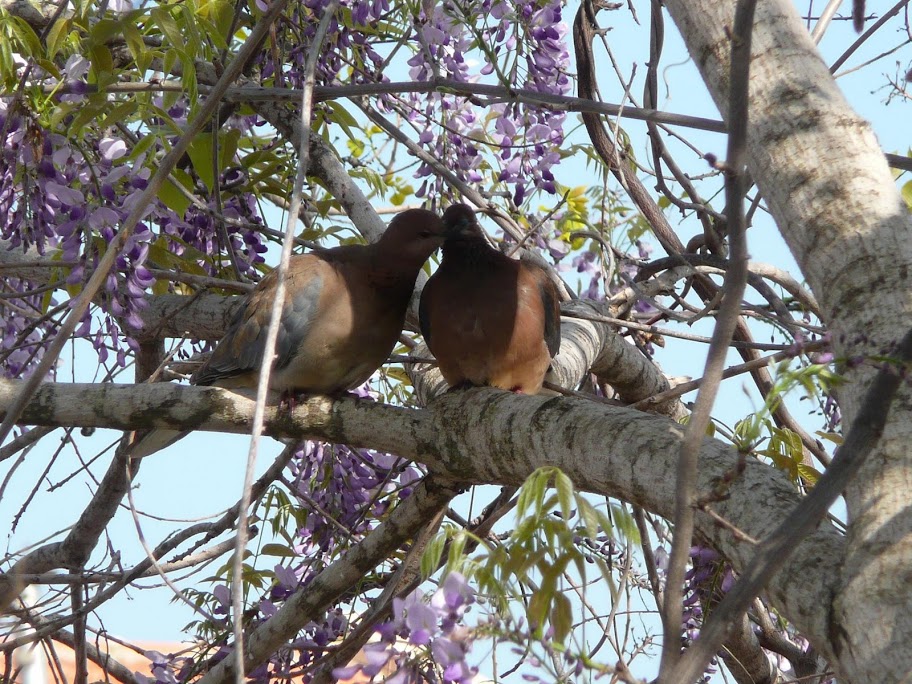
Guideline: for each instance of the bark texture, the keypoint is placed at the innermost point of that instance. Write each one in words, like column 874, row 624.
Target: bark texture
column 827, row 184
column 493, row 437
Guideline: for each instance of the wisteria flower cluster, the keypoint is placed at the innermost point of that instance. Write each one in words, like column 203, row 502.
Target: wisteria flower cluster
column 527, row 138
column 166, row 669
column 338, row 488
column 708, row 579
column 72, row 198
column 706, row 582
column 420, row 625
column 26, row 332
column 347, row 53
column 350, row 485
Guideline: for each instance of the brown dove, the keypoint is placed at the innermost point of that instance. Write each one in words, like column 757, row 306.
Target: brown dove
column 344, row 310
column 489, row 319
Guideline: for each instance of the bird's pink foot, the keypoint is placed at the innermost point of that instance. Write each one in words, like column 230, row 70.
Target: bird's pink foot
column 290, row 399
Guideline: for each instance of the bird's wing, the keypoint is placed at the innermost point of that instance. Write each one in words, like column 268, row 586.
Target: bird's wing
column 241, row 350
column 551, row 303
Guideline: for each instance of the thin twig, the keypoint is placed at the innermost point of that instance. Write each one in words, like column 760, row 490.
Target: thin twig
column 867, row 34
column 237, row 580
column 726, row 322
column 730, row 372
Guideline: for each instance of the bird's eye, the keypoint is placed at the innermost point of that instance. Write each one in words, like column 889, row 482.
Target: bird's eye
column 425, row 234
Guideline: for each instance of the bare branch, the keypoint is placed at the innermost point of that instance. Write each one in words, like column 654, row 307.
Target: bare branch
column 726, row 323
column 310, row 601
column 472, row 436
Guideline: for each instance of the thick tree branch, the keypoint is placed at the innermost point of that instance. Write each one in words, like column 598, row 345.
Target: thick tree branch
column 493, row 437
column 309, row 602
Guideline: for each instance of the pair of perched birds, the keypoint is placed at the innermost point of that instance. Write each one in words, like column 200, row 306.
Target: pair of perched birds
column 487, row 318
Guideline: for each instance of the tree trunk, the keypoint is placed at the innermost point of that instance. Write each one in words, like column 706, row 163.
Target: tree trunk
column 828, row 186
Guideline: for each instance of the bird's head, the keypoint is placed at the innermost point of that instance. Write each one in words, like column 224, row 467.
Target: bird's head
column 413, row 235
column 460, row 224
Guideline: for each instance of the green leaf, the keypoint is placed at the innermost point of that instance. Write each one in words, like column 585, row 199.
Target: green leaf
column 29, row 43
column 254, row 577
column 144, row 144
column 605, row 522
column 102, row 65
column 589, row 516
column 430, row 559
column 137, row 46
column 561, row 617
column 87, row 113
column 172, row 197
column 193, row 41
column 538, row 610
column 7, row 65
column 228, row 147
column 625, row 523
column 457, row 551
column 162, row 257
column 355, row 147
column 398, row 375
column 564, row 488
column 907, row 193
column 188, row 74
column 48, row 66
column 105, row 30
column 120, row 112
column 518, row 559
column 833, row 437
column 57, row 35
column 168, row 61
column 200, row 153
column 340, row 115
column 163, row 19
column 217, row 14
column 161, row 286
column 267, row 171
column 538, row 485
column 278, row 550
column 808, row 473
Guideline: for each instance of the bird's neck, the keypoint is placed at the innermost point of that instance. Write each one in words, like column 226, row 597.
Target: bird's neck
column 390, row 271
column 469, row 251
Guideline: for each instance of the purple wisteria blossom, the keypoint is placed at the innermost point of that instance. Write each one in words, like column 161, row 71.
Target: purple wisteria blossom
column 351, row 485
column 26, row 331
column 339, row 493
column 347, row 52
column 69, row 200
column 420, row 625
column 526, row 139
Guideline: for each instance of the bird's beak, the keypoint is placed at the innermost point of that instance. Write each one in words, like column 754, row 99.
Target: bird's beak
column 462, row 228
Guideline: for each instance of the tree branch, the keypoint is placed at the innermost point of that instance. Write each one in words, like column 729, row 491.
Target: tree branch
column 310, row 601
column 493, row 437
